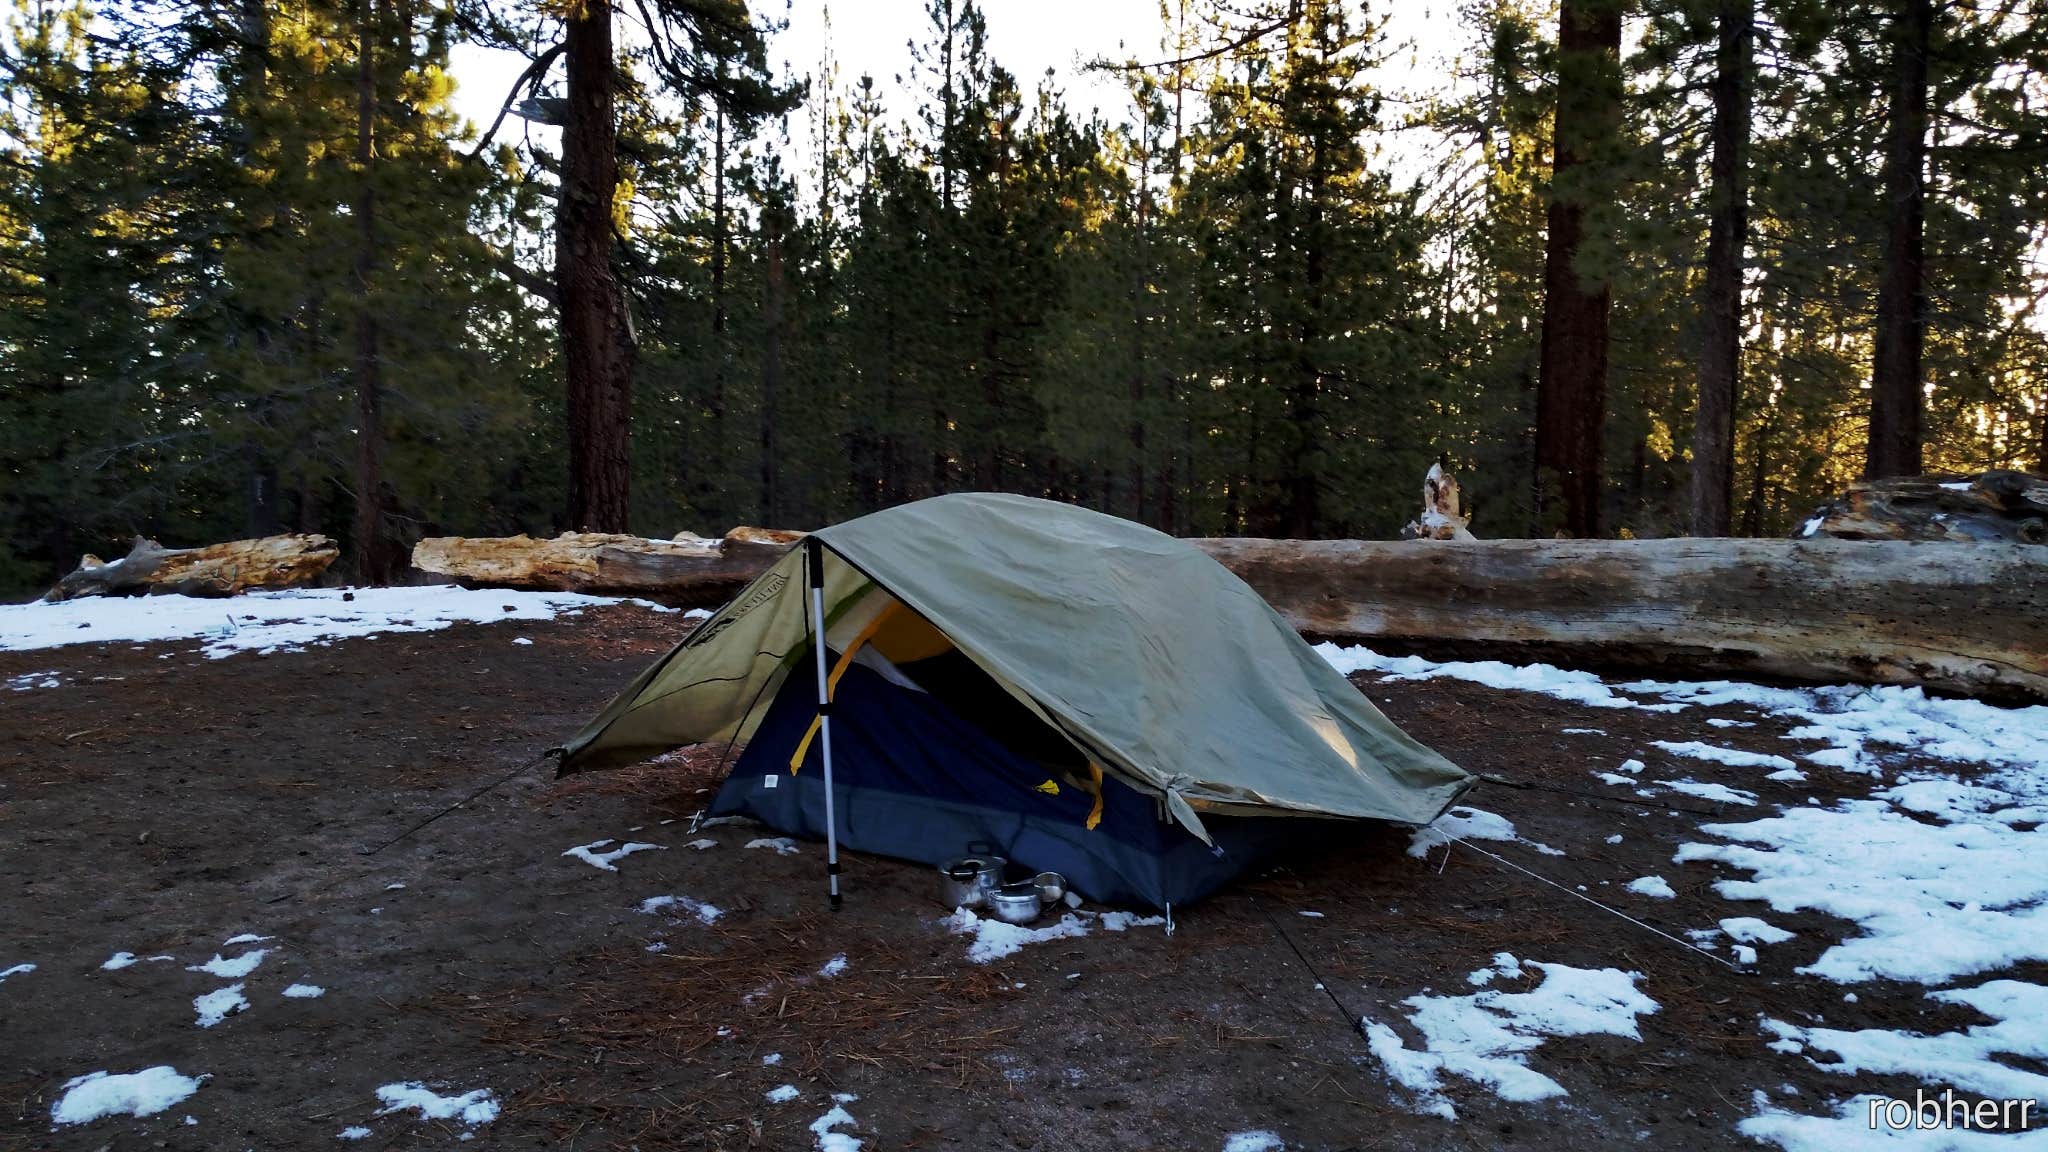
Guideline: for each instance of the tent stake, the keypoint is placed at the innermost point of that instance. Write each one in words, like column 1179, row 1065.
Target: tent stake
column 814, row 559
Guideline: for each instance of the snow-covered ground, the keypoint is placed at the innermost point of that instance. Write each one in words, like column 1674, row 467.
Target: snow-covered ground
column 271, row 621
column 1943, row 874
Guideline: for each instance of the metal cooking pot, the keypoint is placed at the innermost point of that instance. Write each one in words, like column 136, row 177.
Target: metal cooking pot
column 964, row 882
column 1017, row 903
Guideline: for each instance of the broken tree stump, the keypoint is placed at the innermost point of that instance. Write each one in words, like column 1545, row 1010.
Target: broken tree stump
column 215, row 570
column 1441, row 518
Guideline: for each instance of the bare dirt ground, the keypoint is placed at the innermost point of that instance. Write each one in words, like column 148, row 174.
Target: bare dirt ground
column 160, row 802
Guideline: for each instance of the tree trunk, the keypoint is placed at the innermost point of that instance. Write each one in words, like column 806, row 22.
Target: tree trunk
column 946, row 129
column 1895, row 384
column 597, row 339
column 1571, row 392
column 720, row 246
column 2041, row 421
column 1305, row 465
column 1753, row 508
column 1713, row 433
column 376, row 560
column 718, row 224
column 771, row 375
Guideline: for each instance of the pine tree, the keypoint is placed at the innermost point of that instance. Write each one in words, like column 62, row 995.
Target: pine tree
column 1571, row 394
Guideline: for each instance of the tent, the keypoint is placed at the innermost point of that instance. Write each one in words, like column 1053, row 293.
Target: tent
column 1085, row 694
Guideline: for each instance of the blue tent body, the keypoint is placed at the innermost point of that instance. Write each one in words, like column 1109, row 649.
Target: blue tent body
column 920, row 775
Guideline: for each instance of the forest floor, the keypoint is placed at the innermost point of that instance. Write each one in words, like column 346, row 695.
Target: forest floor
column 159, row 803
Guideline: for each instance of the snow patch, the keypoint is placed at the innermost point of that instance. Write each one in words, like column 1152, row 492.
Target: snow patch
column 474, row 1107
column 1733, row 757
column 31, row 680
column 702, row 845
column 304, row 992
column 838, row 1117
column 994, row 939
column 219, row 1004
column 834, row 966
column 1708, row 790
column 705, row 913
column 1463, row 823
column 1851, row 719
column 1487, row 1037
column 277, row 621
column 783, row 1094
column 780, row 845
column 608, row 860
column 17, row 970
column 96, row 1094
column 1655, row 887
column 353, row 1132
column 1549, row 680
column 118, row 961
column 1935, row 902
column 1966, row 1060
column 1848, row 1130
column 1256, row 1140
column 234, row 969
column 1751, row 930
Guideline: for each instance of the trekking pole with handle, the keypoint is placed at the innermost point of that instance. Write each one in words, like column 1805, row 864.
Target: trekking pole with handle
column 814, row 560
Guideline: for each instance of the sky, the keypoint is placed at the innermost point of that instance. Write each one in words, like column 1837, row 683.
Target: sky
column 1025, row 36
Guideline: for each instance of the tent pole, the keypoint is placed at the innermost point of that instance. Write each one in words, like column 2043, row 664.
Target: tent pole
column 814, row 560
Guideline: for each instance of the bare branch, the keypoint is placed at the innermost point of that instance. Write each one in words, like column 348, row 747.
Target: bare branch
column 529, row 79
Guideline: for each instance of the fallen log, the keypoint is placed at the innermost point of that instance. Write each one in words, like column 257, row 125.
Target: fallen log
column 1970, row 619
column 215, row 570
column 688, row 570
column 1961, row 618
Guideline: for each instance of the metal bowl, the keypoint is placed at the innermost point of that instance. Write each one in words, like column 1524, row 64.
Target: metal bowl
column 1017, row 903
column 1052, row 887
